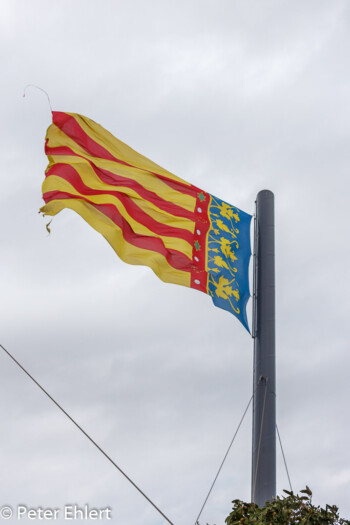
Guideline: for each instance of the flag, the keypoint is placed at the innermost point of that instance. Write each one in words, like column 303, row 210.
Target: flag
column 148, row 215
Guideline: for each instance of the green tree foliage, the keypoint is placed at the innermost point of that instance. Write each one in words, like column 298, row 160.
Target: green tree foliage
column 285, row 510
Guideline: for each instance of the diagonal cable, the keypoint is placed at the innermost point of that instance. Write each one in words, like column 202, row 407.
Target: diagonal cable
column 284, row 458
column 87, row 435
column 223, row 461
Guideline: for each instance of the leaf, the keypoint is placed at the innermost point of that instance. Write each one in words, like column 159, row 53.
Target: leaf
column 220, row 262
column 286, row 510
column 226, row 211
column 226, row 249
column 306, row 491
column 222, row 288
column 222, row 226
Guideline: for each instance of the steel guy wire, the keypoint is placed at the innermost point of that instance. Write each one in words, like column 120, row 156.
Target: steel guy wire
column 223, row 461
column 87, row 435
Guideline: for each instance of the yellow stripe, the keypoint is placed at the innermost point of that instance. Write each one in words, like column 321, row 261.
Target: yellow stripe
column 55, row 183
column 119, row 149
column 150, row 182
column 127, row 252
column 90, row 179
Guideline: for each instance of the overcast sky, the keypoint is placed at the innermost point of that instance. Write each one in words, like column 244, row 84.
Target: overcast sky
column 234, row 96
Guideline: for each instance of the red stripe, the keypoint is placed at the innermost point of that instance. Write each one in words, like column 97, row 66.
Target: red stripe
column 70, row 127
column 199, row 275
column 176, row 259
column 68, row 173
column 118, row 180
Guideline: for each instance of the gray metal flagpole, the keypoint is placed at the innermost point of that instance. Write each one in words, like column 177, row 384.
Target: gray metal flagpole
column 264, row 380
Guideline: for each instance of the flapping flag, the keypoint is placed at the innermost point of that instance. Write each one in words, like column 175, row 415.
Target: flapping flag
column 148, row 215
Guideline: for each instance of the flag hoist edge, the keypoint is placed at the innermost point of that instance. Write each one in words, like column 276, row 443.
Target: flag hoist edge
column 148, row 215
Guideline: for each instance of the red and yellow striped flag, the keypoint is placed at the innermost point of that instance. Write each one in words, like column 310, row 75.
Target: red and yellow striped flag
column 148, row 215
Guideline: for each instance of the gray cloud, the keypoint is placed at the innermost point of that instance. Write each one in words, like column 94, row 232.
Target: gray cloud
column 234, row 97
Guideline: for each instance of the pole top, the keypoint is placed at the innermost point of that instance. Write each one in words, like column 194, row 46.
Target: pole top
column 265, row 194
